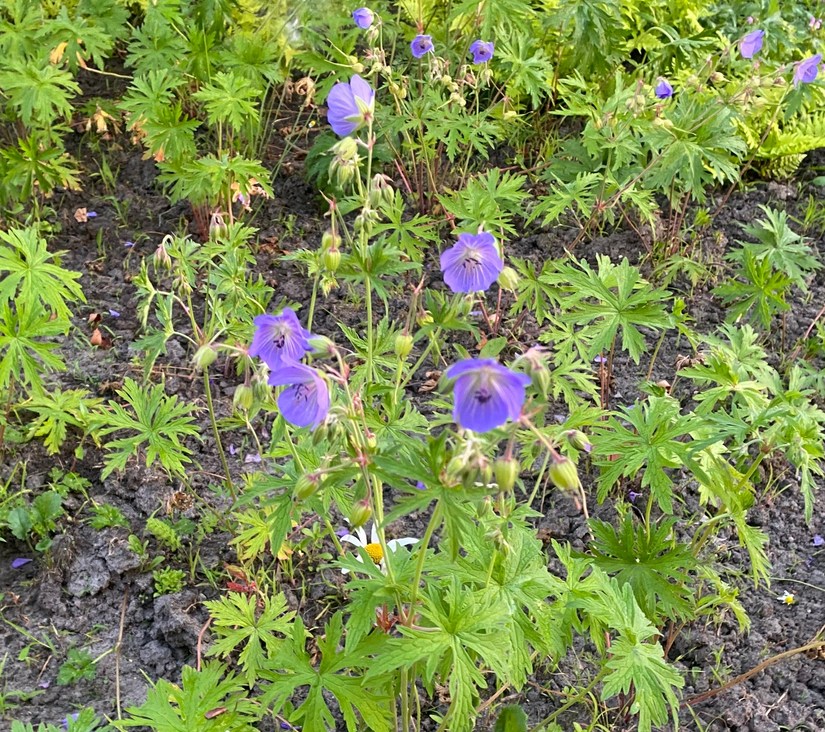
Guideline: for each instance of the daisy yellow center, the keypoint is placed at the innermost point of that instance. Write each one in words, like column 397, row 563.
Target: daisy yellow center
column 375, row 552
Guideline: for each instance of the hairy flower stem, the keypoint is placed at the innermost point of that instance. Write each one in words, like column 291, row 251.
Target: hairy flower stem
column 435, row 521
column 6, row 412
column 312, row 301
column 208, row 389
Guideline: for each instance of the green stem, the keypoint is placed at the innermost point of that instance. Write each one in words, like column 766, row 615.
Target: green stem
column 370, row 344
column 312, row 302
column 435, row 520
column 208, row 388
column 570, row 702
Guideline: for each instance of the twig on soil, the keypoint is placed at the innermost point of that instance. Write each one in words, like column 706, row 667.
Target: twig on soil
column 200, row 639
column 117, row 651
column 690, row 701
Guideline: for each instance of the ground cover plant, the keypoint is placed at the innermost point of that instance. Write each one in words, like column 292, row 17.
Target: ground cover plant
column 418, row 366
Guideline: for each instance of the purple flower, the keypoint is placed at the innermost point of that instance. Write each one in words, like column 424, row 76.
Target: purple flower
column 232, row 449
column 252, row 458
column 482, row 51
column 421, row 45
column 420, row 486
column 129, row 244
column 363, row 18
column 305, row 401
column 818, row 540
column 751, row 20
column 472, row 264
column 600, row 359
column 114, row 313
column 91, row 214
column 351, row 106
column 814, row 23
column 279, row 339
column 17, row 563
column 632, row 495
column 807, row 70
column 486, row 393
column 751, row 43
column 66, row 720
column 663, row 89
column 44, row 684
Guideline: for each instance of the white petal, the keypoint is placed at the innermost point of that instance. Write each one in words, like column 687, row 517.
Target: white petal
column 350, row 539
column 393, row 543
column 374, row 535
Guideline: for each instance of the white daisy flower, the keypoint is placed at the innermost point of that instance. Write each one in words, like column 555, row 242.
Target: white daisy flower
column 373, row 547
column 787, row 597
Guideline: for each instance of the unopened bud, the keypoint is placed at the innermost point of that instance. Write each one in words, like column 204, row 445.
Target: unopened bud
column 321, row 346
column 578, row 439
column 204, row 357
column 243, row 397
column 332, row 259
column 563, row 474
column 361, row 513
column 425, row 317
column 217, row 227
column 306, row 485
column 506, row 470
column 508, row 279
column 403, row 345
column 330, row 240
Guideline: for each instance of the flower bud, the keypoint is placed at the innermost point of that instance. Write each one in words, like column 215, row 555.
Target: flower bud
column 403, row 345
column 563, row 474
column 425, row 317
column 578, row 439
column 306, row 485
column 320, row 434
column 361, row 513
column 243, row 397
column 455, row 468
column 322, row 347
column 332, row 259
column 330, row 240
column 204, row 357
column 162, row 258
column 217, row 227
column 508, row 279
column 506, row 470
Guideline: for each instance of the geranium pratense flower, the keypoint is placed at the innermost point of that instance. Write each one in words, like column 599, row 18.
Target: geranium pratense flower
column 751, row 43
column 663, row 89
column 486, row 394
column 421, row 45
column 472, row 264
column 305, row 401
column 363, row 18
column 351, row 106
column 279, row 339
column 807, row 70
column 482, row 51
column 373, row 546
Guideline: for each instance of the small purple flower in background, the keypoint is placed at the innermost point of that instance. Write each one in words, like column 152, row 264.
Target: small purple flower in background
column 815, row 23
column 363, row 18
column 632, row 495
column 305, row 401
column 21, row 561
column 351, row 106
column 818, row 540
column 279, row 339
column 129, row 244
column 600, row 359
column 44, row 684
column 232, row 449
column 66, row 719
column 252, row 458
column 420, row 486
column 663, row 89
column 422, row 45
column 114, row 313
column 751, row 43
column 807, row 70
column 91, row 214
column 751, row 20
column 472, row 264
column 486, row 394
column 482, row 51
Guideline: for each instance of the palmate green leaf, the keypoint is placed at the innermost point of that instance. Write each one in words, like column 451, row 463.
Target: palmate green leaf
column 160, row 421
column 614, row 298
column 409, row 235
column 533, row 294
column 651, row 445
column 84, row 40
column 57, row 410
column 654, row 564
column 32, row 277
column 241, row 623
column 229, row 99
column 637, row 664
column 491, row 200
column 190, row 707
column 292, row 669
column 33, row 167
column 763, row 290
column 19, row 23
column 39, row 94
column 23, row 356
column 456, row 629
column 529, row 70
